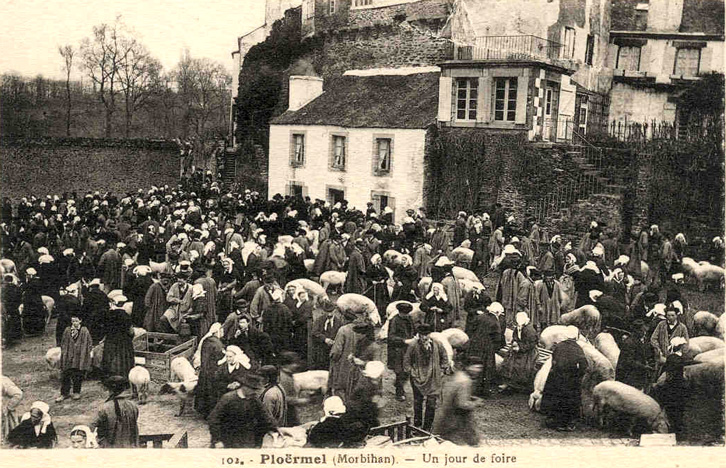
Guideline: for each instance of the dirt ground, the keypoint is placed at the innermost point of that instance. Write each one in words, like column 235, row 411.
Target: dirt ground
column 503, row 417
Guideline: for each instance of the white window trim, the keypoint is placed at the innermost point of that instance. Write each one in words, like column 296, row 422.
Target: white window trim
column 346, row 154
column 376, row 161
column 467, row 109
column 293, row 147
column 675, row 60
column 506, row 109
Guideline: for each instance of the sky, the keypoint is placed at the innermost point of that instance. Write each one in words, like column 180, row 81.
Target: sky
column 32, row 30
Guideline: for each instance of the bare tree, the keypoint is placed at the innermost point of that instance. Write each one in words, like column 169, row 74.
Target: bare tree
column 140, row 78
column 103, row 55
column 67, row 52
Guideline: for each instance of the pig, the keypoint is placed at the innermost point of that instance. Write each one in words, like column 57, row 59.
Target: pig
column 586, row 318
column 447, row 347
column 158, row 267
column 456, row 337
column 535, row 398
column 623, row 399
column 184, row 389
column 392, row 257
column 704, row 324
column 462, row 256
column 721, row 326
column 139, row 378
column 52, row 358
column 468, row 287
column 605, row 343
column 314, row 290
column 358, row 303
column 706, row 376
column 309, row 262
column 333, row 278
column 553, row 334
column 702, row 344
column 599, row 368
column 423, row 286
column 138, row 331
column 707, row 273
column 462, row 273
column 310, row 381
column 715, row 355
column 689, row 266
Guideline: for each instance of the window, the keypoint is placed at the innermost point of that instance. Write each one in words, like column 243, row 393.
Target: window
column 589, row 49
column 331, row 6
column 687, row 61
column 298, row 149
column 582, row 117
column 467, row 93
column 505, row 99
column 295, row 189
column 628, row 58
column 335, row 195
column 568, row 51
column 360, row 3
column 382, row 157
column 308, row 9
column 338, row 152
column 641, row 16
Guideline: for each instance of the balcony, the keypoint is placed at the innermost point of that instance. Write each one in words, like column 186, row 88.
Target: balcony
column 512, row 48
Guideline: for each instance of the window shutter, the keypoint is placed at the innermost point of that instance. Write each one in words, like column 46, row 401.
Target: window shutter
column 706, row 61
column 522, row 91
column 445, row 85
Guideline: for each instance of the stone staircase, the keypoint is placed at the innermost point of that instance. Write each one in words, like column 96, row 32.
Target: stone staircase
column 594, row 190
column 229, row 171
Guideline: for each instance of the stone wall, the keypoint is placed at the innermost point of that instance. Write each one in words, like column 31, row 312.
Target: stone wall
column 55, row 165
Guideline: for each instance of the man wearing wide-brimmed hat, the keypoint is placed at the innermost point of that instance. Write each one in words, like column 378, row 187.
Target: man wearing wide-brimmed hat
column 117, row 420
column 323, row 334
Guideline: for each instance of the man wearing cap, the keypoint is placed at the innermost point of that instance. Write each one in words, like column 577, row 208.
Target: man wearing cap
column 109, row 268
column 425, row 361
column 324, row 331
column 401, row 332
column 511, row 290
column 263, row 296
column 240, row 420
column 273, row 396
column 117, row 420
column 440, row 240
column 68, row 305
column 484, row 341
column 95, row 310
column 635, row 355
column 355, row 282
column 549, row 296
column 664, row 332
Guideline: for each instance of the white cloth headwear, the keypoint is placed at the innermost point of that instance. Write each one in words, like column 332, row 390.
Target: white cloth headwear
column 374, row 369
column 442, row 292
column 213, row 330
column 521, row 318
column 572, row 332
column 333, row 406
column 44, row 408
column 240, row 358
column 91, row 436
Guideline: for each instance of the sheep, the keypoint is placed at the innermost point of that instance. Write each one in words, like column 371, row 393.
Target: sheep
column 357, row 304
column 314, row 290
column 689, row 266
column 184, row 390
column 52, row 358
column 138, row 331
column 586, row 318
column 535, row 398
column 624, row 399
column 139, row 379
column 704, row 323
column 605, row 343
column 423, row 286
column 706, row 273
column 468, row 286
column 456, row 337
column 462, row 273
column 715, row 355
column 310, row 381
column 158, row 267
column 49, row 304
column 333, row 278
column 309, row 262
column 8, row 267
column 446, row 345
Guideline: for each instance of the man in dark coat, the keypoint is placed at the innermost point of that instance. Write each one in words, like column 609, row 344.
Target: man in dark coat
column 355, row 280
column 323, row 336
column 561, row 397
column 254, row 343
column 240, row 420
column 68, row 305
column 117, row 420
column 95, row 310
column 400, row 335
column 485, row 340
column 277, row 323
column 635, row 353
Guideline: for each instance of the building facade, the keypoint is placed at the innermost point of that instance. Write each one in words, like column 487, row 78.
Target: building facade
column 657, row 49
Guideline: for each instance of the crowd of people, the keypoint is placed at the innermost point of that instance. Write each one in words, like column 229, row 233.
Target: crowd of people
column 205, row 261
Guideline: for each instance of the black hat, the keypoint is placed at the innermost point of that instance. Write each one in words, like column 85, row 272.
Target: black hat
column 116, row 384
column 363, row 328
column 424, row 329
column 241, row 304
column 404, row 307
column 268, row 279
column 349, row 314
column 251, row 381
column 472, row 360
column 268, row 371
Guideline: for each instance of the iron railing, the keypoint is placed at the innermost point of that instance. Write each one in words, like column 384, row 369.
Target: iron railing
column 526, row 47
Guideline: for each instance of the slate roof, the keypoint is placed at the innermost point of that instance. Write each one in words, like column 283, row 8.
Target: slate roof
column 380, row 101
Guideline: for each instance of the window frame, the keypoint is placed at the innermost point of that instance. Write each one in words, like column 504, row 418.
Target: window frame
column 331, row 7
column 507, row 100
column 618, row 65
column 377, row 138
column 698, row 61
column 590, row 49
column 568, row 43
column 294, row 162
column 331, row 161
column 472, row 84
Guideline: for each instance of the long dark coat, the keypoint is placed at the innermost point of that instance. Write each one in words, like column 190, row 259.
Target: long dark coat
column 205, row 392
column 562, row 391
column 118, row 349
column 95, row 309
column 400, row 328
column 634, row 355
column 355, row 280
column 34, row 311
column 484, row 341
column 320, row 356
column 519, row 366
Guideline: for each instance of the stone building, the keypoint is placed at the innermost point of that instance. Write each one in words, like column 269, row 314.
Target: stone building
column 363, row 139
column 657, row 49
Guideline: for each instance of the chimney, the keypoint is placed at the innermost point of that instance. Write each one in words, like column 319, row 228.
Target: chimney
column 303, row 89
column 664, row 15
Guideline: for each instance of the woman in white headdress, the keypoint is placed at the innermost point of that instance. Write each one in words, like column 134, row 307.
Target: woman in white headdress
column 209, row 352
column 83, row 438
column 35, row 429
column 231, row 370
column 437, row 308
column 519, row 367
